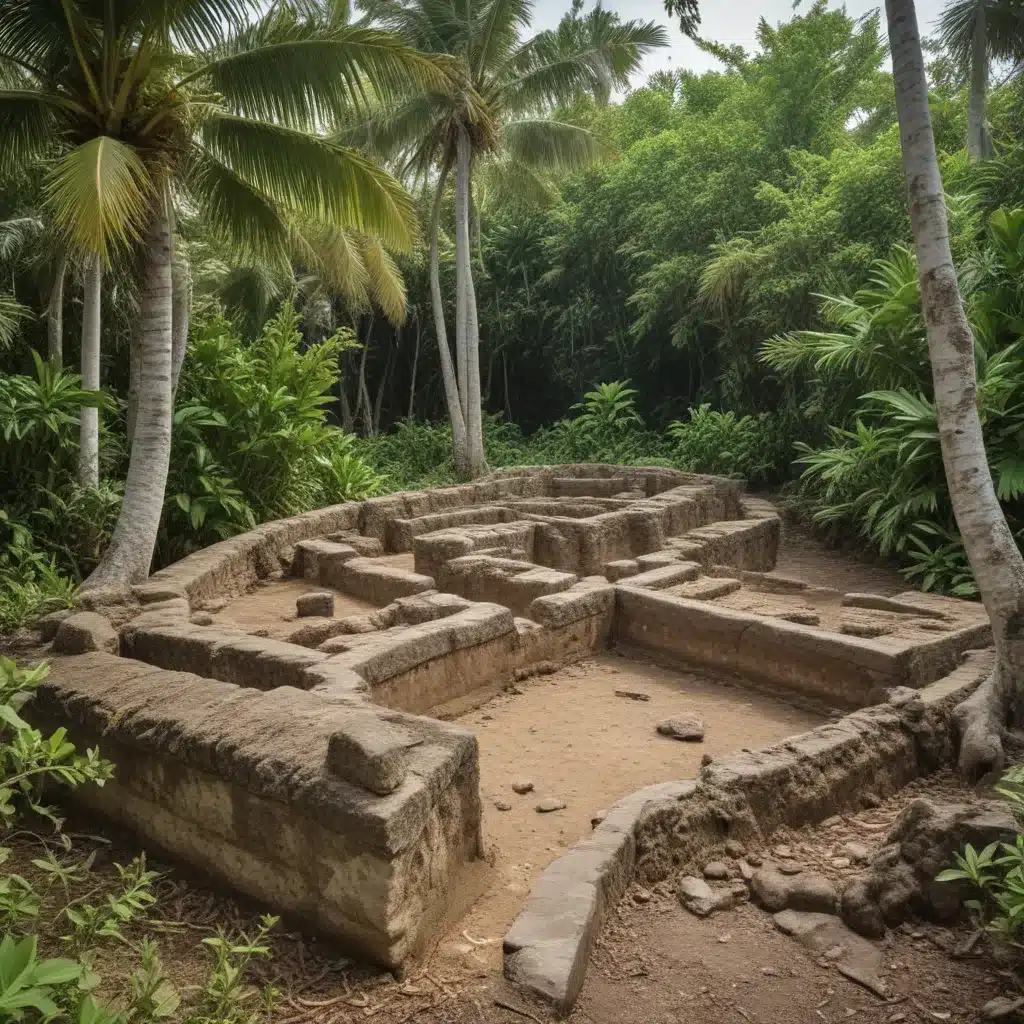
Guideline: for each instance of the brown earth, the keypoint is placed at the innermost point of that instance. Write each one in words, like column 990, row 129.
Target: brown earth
column 576, row 739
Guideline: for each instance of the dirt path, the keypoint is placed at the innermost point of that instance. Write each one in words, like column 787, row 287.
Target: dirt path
column 804, row 556
column 575, row 739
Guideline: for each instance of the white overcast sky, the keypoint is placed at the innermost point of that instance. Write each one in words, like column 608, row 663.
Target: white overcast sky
column 726, row 21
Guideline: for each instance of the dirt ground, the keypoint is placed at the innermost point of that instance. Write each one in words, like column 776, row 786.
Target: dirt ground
column 270, row 608
column 576, row 739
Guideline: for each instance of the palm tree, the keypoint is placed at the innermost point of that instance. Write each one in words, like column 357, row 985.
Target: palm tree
column 994, row 556
column 976, row 32
column 141, row 108
column 498, row 104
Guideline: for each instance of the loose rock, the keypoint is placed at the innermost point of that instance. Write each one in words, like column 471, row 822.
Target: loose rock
column 716, row 870
column 522, row 786
column 700, row 899
column 201, row 619
column 857, row 852
column 502, row 805
column 790, row 867
column 1000, row 1007
column 735, row 848
column 320, row 603
column 683, row 727
column 549, row 804
column 808, row 892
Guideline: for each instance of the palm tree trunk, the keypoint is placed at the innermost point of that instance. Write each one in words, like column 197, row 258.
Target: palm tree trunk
column 469, row 338
column 415, row 366
column 55, row 313
column 462, row 268
column 89, row 432
column 181, row 308
column 994, row 557
column 979, row 145
column 130, row 552
column 460, row 447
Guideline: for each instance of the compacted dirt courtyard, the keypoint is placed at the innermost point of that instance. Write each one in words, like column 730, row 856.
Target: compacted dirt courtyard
column 584, row 736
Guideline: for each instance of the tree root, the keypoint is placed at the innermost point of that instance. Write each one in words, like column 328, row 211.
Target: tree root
column 981, row 720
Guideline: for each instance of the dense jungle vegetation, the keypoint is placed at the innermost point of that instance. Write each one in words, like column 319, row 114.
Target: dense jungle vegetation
column 711, row 271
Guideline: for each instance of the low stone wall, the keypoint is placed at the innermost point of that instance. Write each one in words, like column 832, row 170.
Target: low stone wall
column 360, row 824
column 840, row 670
column 669, row 828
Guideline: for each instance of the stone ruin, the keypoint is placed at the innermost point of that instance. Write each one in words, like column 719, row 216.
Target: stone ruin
column 315, row 770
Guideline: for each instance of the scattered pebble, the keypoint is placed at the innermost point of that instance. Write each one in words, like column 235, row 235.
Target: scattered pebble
column 641, row 896
column 754, row 860
column 735, row 848
column 549, row 804
column 501, row 805
column 784, row 852
column 857, row 852
column 716, row 870
column 683, row 727
column 522, row 786
column 790, row 867
column 840, row 862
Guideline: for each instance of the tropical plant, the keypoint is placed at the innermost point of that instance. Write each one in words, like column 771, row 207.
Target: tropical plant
column 996, row 560
column 139, row 106
column 976, row 33
column 497, row 103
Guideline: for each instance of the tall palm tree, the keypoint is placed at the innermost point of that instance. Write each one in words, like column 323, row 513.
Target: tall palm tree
column 976, row 32
column 993, row 553
column 498, row 103
column 141, row 108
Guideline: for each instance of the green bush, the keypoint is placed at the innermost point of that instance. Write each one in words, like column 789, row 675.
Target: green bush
column 47, row 911
column 758, row 448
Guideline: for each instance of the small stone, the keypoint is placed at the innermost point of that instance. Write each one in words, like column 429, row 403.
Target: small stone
column 735, row 848
column 871, row 800
column 769, row 972
column 641, row 896
column 832, row 822
column 716, row 870
column 857, row 852
column 683, row 727
column 790, row 867
column 700, row 899
column 633, row 695
column 1000, row 1007
column 746, row 871
column 320, row 603
column 705, row 760
column 724, row 938
column 520, row 674
column 502, row 805
column 522, row 786
column 549, row 804
column 783, row 852
column 201, row 619
column 840, row 862
column 754, row 860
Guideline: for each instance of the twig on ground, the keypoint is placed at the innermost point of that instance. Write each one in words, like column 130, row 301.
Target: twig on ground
column 506, row 1005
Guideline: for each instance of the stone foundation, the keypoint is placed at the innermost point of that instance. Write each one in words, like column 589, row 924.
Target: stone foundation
column 298, row 770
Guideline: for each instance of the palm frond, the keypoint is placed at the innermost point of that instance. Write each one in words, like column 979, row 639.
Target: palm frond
column 240, row 214
column 31, row 31
column 26, row 127
column 1004, row 28
column 387, row 286
column 99, row 194
column 725, row 275
column 551, row 145
column 12, row 315
column 313, row 176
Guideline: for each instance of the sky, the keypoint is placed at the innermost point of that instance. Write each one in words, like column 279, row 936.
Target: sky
column 725, row 21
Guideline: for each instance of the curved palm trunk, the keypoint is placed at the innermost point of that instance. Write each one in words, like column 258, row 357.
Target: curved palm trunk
column 128, row 557
column 460, row 448
column 181, row 307
column 995, row 558
column 979, row 145
column 468, row 340
column 55, row 313
column 89, row 433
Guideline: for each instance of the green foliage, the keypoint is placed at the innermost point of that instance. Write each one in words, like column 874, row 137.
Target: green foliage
column 997, row 872
column 37, row 987
column 880, row 472
column 758, row 448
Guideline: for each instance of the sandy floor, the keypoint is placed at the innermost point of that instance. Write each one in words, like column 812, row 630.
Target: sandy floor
column 576, row 740
column 271, row 607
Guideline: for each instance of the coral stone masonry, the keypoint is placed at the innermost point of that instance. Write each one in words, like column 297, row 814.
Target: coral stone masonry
column 279, row 705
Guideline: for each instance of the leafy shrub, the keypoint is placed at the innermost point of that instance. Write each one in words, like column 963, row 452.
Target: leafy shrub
column 251, row 438
column 997, row 872
column 34, row 987
column 758, row 448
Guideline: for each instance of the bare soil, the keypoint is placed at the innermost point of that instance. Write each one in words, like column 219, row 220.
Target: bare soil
column 576, row 739
column 270, row 608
